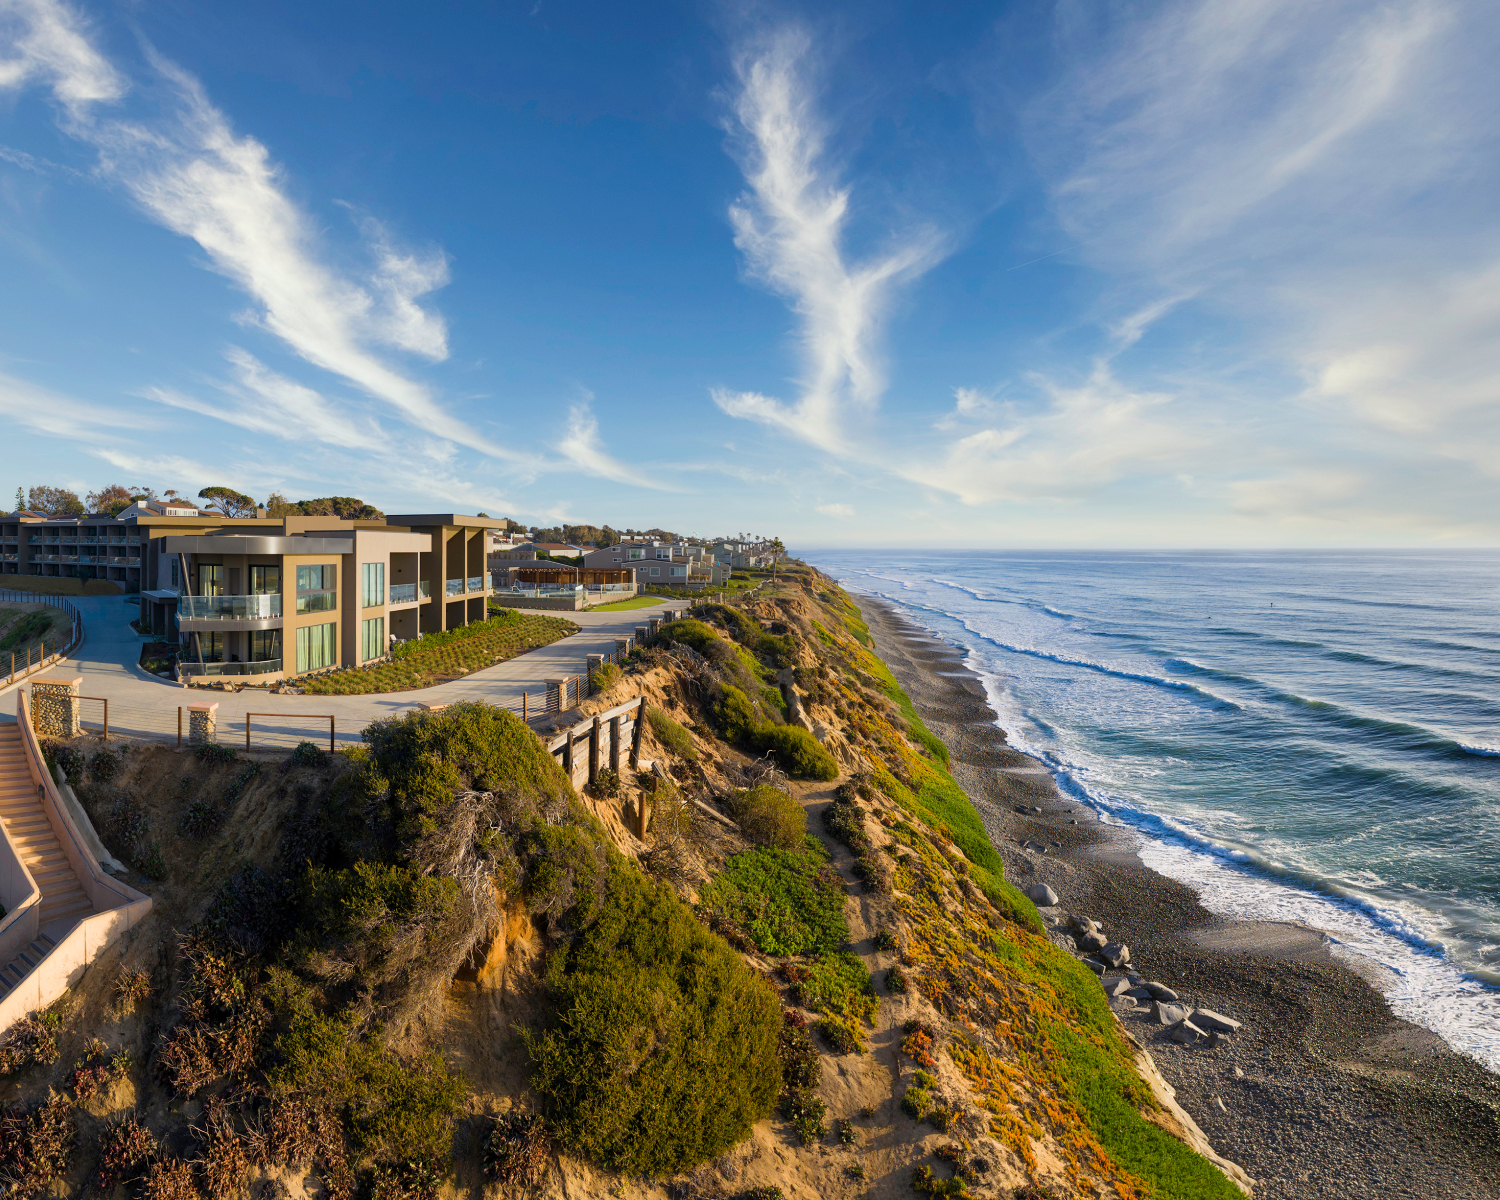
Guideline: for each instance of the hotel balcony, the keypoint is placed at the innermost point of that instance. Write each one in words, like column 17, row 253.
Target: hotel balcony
column 190, row 670
column 207, row 614
column 410, row 593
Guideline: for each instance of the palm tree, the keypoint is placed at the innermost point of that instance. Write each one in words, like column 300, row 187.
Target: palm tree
column 777, row 550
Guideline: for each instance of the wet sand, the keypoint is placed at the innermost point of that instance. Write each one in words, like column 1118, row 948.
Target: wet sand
column 1324, row 1093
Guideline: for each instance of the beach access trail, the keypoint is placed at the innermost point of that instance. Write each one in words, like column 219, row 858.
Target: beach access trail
column 146, row 706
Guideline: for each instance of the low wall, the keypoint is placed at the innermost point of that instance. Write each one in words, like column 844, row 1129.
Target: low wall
column 560, row 603
column 21, row 897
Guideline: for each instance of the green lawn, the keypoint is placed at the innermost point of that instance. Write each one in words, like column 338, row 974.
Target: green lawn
column 622, row 605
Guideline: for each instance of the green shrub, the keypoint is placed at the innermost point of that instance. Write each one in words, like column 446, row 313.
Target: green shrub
column 918, row 1099
column 398, row 1113
column 663, row 1049
column 736, row 716
column 605, row 677
column 790, row 901
column 798, row 752
column 690, row 633
column 769, row 817
column 307, row 754
column 104, row 765
column 672, row 736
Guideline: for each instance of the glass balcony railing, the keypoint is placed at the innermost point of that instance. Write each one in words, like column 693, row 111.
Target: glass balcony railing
column 476, row 583
column 410, row 593
column 455, row 587
column 188, row 670
column 228, row 608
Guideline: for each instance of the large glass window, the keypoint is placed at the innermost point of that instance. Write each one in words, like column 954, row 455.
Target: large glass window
column 316, row 589
column 211, row 646
column 265, row 581
column 265, row 645
column 372, row 639
column 317, row 646
column 372, row 582
column 210, row 580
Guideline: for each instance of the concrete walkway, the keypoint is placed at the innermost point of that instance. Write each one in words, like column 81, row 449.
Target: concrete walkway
column 142, row 705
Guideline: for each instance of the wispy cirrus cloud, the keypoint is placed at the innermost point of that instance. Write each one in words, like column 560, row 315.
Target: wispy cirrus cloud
column 582, row 446
column 790, row 225
column 192, row 173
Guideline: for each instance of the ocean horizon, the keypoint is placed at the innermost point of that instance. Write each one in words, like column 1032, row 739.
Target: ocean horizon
column 1301, row 736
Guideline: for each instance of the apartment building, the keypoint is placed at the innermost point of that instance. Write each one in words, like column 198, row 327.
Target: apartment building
column 675, row 564
column 312, row 592
column 91, row 547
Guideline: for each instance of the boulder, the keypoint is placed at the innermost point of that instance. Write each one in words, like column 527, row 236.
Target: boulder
column 1139, row 993
column 1159, row 991
column 1167, row 1014
column 1185, row 1032
column 1094, row 965
column 1084, row 924
column 1208, row 1019
column 1117, row 987
column 1116, row 954
column 1091, row 941
column 1041, row 895
column 1034, row 847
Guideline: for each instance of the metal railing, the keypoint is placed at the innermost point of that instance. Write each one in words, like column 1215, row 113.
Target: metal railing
column 229, row 608
column 192, row 670
column 476, row 583
column 43, row 657
column 280, row 717
column 455, row 587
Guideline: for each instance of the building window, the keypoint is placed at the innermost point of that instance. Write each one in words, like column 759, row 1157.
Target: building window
column 210, row 580
column 373, row 638
column 265, row 581
column 656, row 570
column 664, row 553
column 679, row 570
column 316, row 589
column 317, row 645
column 265, row 645
column 211, row 647
column 372, row 583
column 634, row 554
column 175, row 584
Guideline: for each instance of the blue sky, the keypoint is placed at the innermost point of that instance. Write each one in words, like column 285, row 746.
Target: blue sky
column 1088, row 274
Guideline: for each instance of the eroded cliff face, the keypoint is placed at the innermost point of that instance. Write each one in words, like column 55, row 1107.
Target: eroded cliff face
column 943, row 1044
column 991, row 1064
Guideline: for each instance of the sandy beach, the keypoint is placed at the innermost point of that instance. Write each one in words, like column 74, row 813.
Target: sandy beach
column 1324, row 1093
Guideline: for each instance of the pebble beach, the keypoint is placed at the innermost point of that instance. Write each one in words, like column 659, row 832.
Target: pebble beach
column 1321, row 1091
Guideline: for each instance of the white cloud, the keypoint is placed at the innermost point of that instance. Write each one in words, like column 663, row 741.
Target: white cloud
column 790, row 227
column 582, row 446
column 836, row 510
column 49, row 42
column 52, row 414
column 194, row 175
column 1087, row 437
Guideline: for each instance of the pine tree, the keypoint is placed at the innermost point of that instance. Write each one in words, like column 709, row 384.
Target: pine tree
column 20, row 499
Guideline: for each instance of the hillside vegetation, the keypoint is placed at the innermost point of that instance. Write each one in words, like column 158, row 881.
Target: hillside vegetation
column 429, row 966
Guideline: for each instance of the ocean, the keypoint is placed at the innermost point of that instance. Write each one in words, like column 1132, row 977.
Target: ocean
column 1306, row 737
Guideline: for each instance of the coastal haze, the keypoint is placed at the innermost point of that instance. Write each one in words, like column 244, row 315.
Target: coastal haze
column 1308, row 738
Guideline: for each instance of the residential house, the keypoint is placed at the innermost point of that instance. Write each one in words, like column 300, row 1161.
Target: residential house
column 672, row 564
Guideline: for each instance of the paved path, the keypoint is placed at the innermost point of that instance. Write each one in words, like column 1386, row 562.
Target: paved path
column 142, row 705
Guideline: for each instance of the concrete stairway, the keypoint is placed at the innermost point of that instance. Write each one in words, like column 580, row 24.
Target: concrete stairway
column 63, row 897
column 23, row 963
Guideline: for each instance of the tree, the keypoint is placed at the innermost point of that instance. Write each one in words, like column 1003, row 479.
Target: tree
column 20, row 499
column 776, row 551
column 55, row 502
column 277, row 505
column 229, row 502
column 608, row 537
column 110, row 499
column 346, row 508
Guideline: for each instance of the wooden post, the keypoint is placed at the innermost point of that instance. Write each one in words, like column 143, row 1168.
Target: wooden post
column 179, row 727
column 640, row 816
column 524, row 717
column 594, row 753
column 247, row 730
column 568, row 756
column 330, row 733
column 635, row 736
column 614, row 745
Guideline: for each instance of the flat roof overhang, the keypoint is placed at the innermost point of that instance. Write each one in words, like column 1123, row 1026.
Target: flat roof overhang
column 249, row 544
column 226, row 624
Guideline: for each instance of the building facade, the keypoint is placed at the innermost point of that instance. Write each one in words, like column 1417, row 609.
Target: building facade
column 670, row 564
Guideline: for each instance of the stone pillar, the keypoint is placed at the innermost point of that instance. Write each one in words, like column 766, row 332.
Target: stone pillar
column 592, row 662
column 653, row 626
column 642, row 633
column 557, row 693
column 54, row 706
column 622, row 648
column 203, row 723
